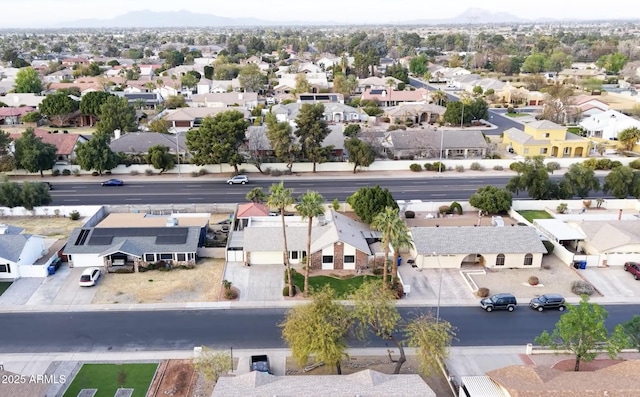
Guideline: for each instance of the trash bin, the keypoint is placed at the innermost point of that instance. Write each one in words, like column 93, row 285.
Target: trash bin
column 583, row 265
column 576, row 265
column 51, row 270
column 399, row 260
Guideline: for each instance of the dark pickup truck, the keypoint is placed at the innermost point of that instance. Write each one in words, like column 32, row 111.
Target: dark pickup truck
column 260, row 363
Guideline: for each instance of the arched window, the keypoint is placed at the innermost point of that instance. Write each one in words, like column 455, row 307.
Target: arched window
column 528, row 260
column 500, row 260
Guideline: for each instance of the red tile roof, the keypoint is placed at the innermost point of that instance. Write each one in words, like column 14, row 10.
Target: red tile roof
column 66, row 143
column 252, row 209
column 11, row 111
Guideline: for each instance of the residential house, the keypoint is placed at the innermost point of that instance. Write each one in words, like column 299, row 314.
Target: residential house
column 415, row 112
column 248, row 100
column 614, row 242
column 618, row 380
column 452, row 74
column 19, row 253
column 376, row 83
column 490, row 246
column 73, row 61
column 116, row 242
column 79, row 119
column 333, row 112
column 368, row 383
column 12, row 116
column 463, row 82
column 147, row 100
column 584, row 106
column 21, row 100
column 64, row 142
column 59, row 76
column 581, row 74
column 486, row 84
column 608, row 124
column 321, row 98
column 393, row 97
column 431, row 143
column 546, row 138
column 184, row 119
column 317, row 81
column 220, row 86
column 338, row 242
column 139, row 143
column 257, row 142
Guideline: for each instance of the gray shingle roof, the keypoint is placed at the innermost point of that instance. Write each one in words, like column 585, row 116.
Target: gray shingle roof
column 479, row 240
column 11, row 246
column 451, row 139
column 364, row 383
column 140, row 142
column 270, row 238
column 344, row 229
column 134, row 245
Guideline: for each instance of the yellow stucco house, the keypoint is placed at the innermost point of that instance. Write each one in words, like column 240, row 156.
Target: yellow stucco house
column 546, row 138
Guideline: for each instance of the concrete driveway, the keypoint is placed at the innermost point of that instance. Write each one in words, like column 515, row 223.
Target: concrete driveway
column 50, row 287
column 70, row 293
column 259, row 283
column 613, row 282
column 425, row 284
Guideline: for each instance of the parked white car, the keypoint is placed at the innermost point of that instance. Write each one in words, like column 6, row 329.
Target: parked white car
column 90, row 276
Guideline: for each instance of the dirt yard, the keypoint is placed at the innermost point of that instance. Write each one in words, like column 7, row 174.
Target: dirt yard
column 557, row 279
column 201, row 284
column 437, row 382
column 566, row 362
column 48, row 226
column 176, row 378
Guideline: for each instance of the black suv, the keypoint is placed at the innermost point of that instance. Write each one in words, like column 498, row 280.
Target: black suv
column 499, row 302
column 548, row 301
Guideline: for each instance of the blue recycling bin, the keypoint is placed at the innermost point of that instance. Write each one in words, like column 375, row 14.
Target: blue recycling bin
column 583, row 265
column 399, row 260
column 51, row 270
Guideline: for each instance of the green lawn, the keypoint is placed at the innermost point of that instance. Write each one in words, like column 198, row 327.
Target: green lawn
column 530, row 215
column 574, row 130
column 342, row 286
column 3, row 286
column 515, row 115
column 104, row 377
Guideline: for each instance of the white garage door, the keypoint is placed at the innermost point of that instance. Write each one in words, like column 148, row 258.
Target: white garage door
column 266, row 258
column 620, row 259
column 235, row 256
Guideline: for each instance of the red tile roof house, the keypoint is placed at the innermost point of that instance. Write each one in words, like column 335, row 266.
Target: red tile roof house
column 12, row 116
column 65, row 143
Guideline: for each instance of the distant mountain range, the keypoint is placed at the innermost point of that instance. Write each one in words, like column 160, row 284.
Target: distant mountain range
column 154, row 19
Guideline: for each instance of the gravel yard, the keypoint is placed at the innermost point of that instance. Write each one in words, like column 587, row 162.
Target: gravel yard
column 557, row 279
column 201, row 284
column 48, row 226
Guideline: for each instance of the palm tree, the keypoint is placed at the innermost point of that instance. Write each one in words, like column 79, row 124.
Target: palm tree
column 310, row 206
column 399, row 241
column 439, row 97
column 390, row 225
column 281, row 198
column 256, row 195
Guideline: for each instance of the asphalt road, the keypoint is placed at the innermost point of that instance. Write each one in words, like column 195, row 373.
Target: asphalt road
column 245, row 329
column 216, row 191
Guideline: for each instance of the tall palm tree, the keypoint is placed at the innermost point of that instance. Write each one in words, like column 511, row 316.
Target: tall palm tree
column 256, row 195
column 400, row 241
column 389, row 224
column 439, row 97
column 310, row 206
column 281, row 198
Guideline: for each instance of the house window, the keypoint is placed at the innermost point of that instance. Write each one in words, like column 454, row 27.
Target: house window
column 546, row 135
column 166, row 257
column 543, row 150
column 5, row 268
column 500, row 260
column 567, row 150
column 349, row 259
column 149, row 257
column 294, row 255
column 528, row 260
column 327, row 258
column 190, row 256
column 182, row 257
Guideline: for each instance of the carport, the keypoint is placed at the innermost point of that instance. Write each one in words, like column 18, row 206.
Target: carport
column 560, row 232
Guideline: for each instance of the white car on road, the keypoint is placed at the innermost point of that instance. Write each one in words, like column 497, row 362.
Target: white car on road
column 242, row 179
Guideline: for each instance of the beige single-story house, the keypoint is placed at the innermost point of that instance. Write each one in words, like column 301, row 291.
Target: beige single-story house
column 615, row 242
column 491, row 246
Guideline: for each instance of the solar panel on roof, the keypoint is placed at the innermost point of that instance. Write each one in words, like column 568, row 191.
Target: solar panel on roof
column 140, row 231
column 171, row 240
column 100, row 240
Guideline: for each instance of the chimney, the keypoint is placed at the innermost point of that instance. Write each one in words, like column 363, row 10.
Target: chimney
column 619, row 214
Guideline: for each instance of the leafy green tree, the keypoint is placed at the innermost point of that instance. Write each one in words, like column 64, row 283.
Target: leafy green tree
column 256, row 195
column 212, row 364
column 388, row 223
column 160, row 126
column 310, row 206
column 31, row 117
column 28, row 81
column 34, row 194
column 629, row 137
column 558, row 61
column 618, row 182
column 302, row 84
column 473, row 110
column 251, row 78
column 419, row 65
column 5, row 141
column 281, row 198
column 491, row 200
column 92, row 101
column 58, row 108
column 369, row 201
column 160, row 158
column 173, row 58
column 632, row 329
column 477, row 90
column 612, row 63
column 581, row 180
column 32, row 154
column 352, row 130
column 10, row 194
column 318, row 329
column 479, row 109
column 116, row 114
column 361, row 154
column 533, row 176
column 432, row 338
column 96, row 154
column 582, row 331
column 208, row 72
column 175, row 102
column 312, row 130
column 282, row 141
column 534, row 63
column 189, row 81
column 218, row 139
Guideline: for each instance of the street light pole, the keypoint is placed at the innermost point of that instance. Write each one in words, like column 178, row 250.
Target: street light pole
column 178, row 154
column 439, row 289
column 441, row 150
column 462, row 116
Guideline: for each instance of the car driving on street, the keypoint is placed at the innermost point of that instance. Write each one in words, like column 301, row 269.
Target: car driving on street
column 548, row 301
column 113, row 182
column 238, row 179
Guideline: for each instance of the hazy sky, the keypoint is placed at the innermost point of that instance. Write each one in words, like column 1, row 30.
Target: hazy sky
column 27, row 13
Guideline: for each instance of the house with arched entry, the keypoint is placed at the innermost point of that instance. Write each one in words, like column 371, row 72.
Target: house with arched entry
column 489, row 246
column 546, row 138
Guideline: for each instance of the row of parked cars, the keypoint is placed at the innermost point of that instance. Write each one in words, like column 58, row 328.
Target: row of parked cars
column 508, row 302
